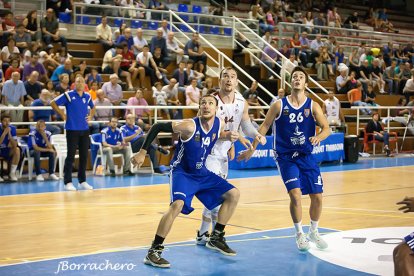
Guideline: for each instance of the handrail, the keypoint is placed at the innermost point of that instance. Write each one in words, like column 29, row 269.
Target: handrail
column 222, row 56
column 151, row 107
column 378, row 107
column 284, row 59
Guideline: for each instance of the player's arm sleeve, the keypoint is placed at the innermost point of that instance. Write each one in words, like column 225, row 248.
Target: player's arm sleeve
column 155, row 129
column 249, row 129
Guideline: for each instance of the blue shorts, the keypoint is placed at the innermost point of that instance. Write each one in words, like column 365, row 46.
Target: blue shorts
column 208, row 188
column 302, row 172
column 5, row 153
column 410, row 241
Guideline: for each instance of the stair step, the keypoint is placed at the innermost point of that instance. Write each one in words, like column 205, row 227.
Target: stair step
column 82, row 53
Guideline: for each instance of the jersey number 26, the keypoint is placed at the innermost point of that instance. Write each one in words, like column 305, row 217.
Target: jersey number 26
column 293, row 118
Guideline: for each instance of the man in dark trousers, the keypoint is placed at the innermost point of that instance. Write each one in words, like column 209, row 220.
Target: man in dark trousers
column 77, row 116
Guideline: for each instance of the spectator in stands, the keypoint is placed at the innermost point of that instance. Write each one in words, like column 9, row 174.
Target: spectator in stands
column 158, row 59
column 160, row 98
column 13, row 95
column 352, row 21
column 409, row 87
column 196, row 53
column 326, row 59
column 404, row 115
column 50, row 29
column 374, row 126
column 194, row 74
column 388, row 53
column 156, row 6
column 8, row 146
column 258, row 14
column 409, row 52
column 9, row 52
column 172, row 98
column 14, row 67
column 94, row 76
column 371, row 17
column 296, row 46
column 101, row 114
column 135, row 135
column 266, row 37
column 113, row 142
column 64, row 68
column 85, row 88
column 365, row 76
column 192, row 93
column 175, row 52
column 93, row 89
column 128, row 13
column 316, row 46
column 270, row 57
column 181, row 75
column 354, row 60
column 308, row 21
column 321, row 68
column 343, row 80
column 305, row 48
column 9, row 27
column 112, row 62
column 129, row 64
column 164, row 28
column 208, row 87
column 82, row 69
column 332, row 110
column 159, row 41
column 104, row 34
column 33, row 87
column 401, row 55
column 145, row 60
column 139, row 113
column 355, row 98
column 48, row 62
column 370, row 95
column 404, row 74
column 40, row 146
column 23, row 39
column 126, row 37
column 391, row 78
column 30, row 23
column 334, row 19
column 251, row 95
column 112, row 90
column 320, row 23
column 34, row 65
column 377, row 76
column 383, row 23
column 45, row 114
column 139, row 42
column 332, row 46
column 339, row 57
column 63, row 85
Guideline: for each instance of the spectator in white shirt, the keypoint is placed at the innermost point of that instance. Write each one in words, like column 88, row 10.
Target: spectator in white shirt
column 192, row 93
column 104, row 34
column 174, row 50
column 146, row 60
column 139, row 42
column 160, row 97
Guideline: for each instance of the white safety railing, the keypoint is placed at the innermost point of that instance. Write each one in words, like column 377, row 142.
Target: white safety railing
column 282, row 57
column 124, row 107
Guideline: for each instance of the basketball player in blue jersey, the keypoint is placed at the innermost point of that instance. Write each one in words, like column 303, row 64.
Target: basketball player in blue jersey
column 294, row 137
column 189, row 177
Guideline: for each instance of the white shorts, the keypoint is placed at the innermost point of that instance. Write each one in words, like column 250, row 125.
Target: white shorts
column 218, row 165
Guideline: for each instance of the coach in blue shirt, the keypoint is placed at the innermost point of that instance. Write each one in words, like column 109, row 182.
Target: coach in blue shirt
column 77, row 116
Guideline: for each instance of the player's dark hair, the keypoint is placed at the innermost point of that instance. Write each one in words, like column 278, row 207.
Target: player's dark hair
column 300, row 69
column 209, row 96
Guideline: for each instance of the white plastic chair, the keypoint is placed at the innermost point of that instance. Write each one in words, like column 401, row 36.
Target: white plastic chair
column 60, row 144
column 28, row 158
column 100, row 155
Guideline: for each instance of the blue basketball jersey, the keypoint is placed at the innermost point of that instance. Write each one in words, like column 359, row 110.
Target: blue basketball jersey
column 191, row 154
column 293, row 127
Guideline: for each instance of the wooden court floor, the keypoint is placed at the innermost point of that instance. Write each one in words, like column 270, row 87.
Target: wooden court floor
column 60, row 224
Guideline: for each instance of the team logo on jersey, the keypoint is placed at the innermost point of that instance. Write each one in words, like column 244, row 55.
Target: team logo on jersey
column 197, row 136
column 286, row 110
column 84, row 100
column 213, row 136
column 306, row 112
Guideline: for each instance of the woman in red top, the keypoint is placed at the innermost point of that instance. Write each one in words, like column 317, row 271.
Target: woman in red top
column 295, row 45
column 129, row 63
column 14, row 67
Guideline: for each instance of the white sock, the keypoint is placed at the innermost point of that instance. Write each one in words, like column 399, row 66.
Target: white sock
column 298, row 227
column 205, row 225
column 314, row 225
column 13, row 169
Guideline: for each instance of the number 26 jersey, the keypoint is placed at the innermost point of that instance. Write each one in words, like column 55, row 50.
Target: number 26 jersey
column 293, row 128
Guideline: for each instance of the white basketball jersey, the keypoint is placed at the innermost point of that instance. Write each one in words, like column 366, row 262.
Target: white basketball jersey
column 332, row 108
column 232, row 115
